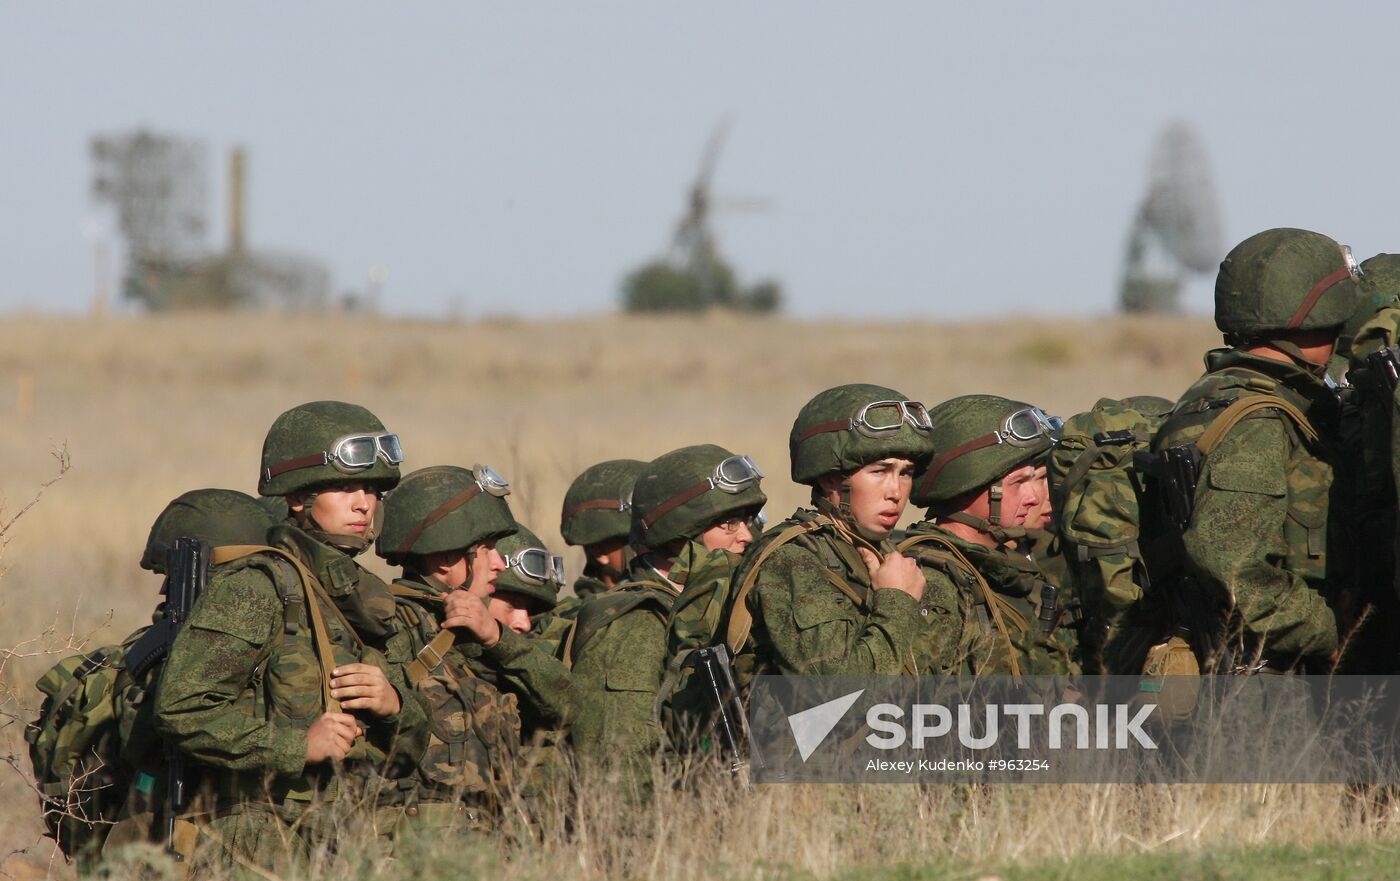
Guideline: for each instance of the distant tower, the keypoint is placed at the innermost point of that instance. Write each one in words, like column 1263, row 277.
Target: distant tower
column 1177, row 228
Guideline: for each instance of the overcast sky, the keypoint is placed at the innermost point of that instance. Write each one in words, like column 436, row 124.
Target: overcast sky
column 926, row 159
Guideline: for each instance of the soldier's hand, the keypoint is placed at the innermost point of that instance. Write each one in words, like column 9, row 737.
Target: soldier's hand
column 330, row 737
column 469, row 613
column 364, row 687
column 895, row 572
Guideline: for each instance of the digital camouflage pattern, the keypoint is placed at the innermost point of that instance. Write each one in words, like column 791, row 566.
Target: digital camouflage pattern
column 437, row 509
column 844, row 451
column 1283, row 280
column 813, row 609
column 311, row 429
column 665, row 506
column 962, row 633
column 475, row 732
column 618, row 655
column 218, row 516
column 957, row 421
column 241, row 688
column 544, row 593
column 1258, row 542
column 597, row 505
column 1095, row 495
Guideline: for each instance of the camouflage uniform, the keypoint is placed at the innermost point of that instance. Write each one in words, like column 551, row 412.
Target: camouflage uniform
column 811, row 607
column 618, row 647
column 996, row 629
column 1257, row 545
column 469, row 766
column 244, row 683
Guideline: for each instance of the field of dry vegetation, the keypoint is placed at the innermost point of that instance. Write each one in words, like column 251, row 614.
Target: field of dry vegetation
column 148, row 408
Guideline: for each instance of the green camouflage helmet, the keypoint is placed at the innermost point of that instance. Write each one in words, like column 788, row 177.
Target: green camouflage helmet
column 981, row 438
column 218, row 516
column 531, row 570
column 1283, row 280
column 598, row 505
column 682, row 493
column 845, row 428
column 1380, row 287
column 444, row 508
column 326, row 442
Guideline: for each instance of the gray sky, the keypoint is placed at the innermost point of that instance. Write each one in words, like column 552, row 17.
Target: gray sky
column 933, row 159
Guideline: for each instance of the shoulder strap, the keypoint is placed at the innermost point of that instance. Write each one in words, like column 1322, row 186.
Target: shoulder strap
column 601, row 611
column 1247, row 406
column 740, row 619
column 993, row 602
column 434, row 650
column 325, row 656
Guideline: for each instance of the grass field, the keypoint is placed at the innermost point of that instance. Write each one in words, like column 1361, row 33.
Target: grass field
column 149, row 408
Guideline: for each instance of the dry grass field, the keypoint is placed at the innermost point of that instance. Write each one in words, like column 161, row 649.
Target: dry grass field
column 148, row 408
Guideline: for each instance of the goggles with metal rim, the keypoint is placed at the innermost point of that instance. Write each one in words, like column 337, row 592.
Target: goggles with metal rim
column 733, row 475
column 536, row 566
column 878, row 419
column 1027, row 427
column 349, row 454
column 484, row 480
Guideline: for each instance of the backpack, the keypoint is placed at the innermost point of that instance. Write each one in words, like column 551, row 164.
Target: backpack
column 1097, row 495
column 76, row 749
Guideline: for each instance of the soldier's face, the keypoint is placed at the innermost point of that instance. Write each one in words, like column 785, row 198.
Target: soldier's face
column 510, row 610
column 1021, row 493
column 879, row 492
column 728, row 534
column 485, row 563
column 1039, row 516
column 341, row 510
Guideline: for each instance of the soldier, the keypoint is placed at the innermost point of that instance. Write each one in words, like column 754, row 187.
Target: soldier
column 690, row 520
column 441, row 526
column 1267, row 592
column 597, row 516
column 825, row 592
column 994, row 611
column 268, row 686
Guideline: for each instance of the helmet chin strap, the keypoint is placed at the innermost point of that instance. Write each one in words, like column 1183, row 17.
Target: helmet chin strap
column 842, row 516
column 991, row 526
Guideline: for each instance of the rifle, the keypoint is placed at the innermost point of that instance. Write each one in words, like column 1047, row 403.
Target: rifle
column 187, row 574
column 712, row 663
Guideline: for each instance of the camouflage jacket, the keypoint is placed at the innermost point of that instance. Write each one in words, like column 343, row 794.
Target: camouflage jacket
column 618, row 651
column 475, row 736
column 1257, row 543
column 362, row 597
column 814, row 610
column 243, row 685
column 586, row 586
column 963, row 633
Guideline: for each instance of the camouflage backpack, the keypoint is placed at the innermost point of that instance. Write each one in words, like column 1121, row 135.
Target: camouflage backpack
column 76, row 747
column 1096, row 494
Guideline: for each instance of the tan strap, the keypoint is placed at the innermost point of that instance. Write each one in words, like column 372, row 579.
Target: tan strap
column 994, row 603
column 1247, row 406
column 568, row 649
column 430, row 656
column 740, row 619
column 325, row 655
column 1323, row 286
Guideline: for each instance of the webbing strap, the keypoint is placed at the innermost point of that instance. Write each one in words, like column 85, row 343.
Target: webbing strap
column 740, row 619
column 325, row 656
column 993, row 603
column 1247, row 406
column 568, row 649
column 437, row 514
column 1323, row 286
column 429, row 656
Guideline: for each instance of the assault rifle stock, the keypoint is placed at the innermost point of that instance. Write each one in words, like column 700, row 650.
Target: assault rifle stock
column 187, row 573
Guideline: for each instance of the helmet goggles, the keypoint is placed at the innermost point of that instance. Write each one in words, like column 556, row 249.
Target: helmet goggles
column 489, row 482
column 349, row 454
column 1027, row 427
column 733, row 475
column 878, row 419
column 536, row 566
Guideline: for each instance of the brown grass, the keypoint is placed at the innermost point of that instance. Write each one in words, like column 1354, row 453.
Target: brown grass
column 152, row 407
